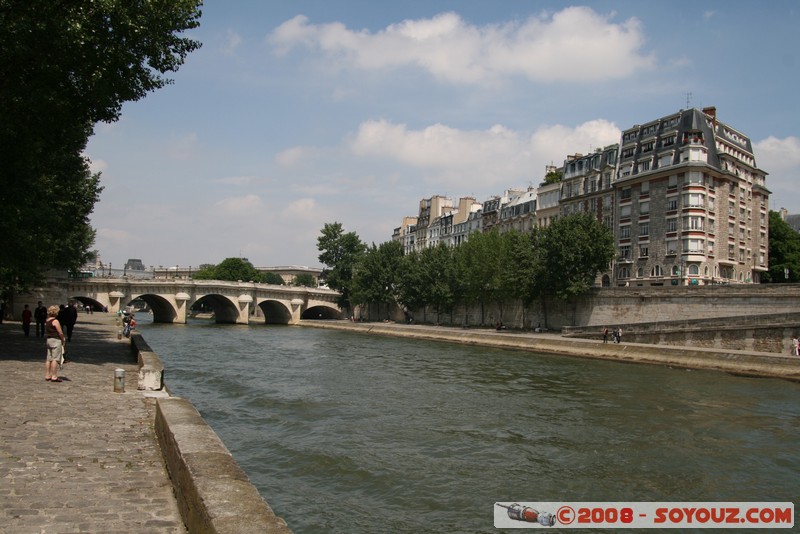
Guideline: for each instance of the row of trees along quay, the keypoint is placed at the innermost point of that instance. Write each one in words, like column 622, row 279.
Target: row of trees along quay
column 559, row 261
column 64, row 67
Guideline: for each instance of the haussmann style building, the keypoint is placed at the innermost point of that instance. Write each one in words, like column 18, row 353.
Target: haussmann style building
column 691, row 206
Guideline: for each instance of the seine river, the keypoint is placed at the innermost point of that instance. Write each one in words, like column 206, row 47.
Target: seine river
column 351, row 433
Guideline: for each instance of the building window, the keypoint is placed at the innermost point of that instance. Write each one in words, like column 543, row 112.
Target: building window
column 644, row 251
column 694, row 200
column 694, row 270
column 693, row 223
column 676, row 271
column 645, row 188
column 625, row 252
column 694, row 246
column 644, row 166
column 625, row 211
column 672, row 225
column 644, row 208
column 644, row 229
column 626, row 193
column 656, row 271
column 624, row 272
column 672, row 182
column 672, row 204
column 625, row 231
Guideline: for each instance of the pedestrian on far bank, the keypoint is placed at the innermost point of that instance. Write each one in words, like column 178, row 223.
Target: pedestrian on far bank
column 55, row 345
column 619, row 335
column 605, row 334
column 27, row 316
column 40, row 314
column 795, row 346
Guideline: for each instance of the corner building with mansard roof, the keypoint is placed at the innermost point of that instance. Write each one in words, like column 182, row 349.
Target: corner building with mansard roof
column 691, row 206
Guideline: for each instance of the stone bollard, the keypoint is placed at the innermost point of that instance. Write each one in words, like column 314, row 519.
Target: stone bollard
column 119, row 380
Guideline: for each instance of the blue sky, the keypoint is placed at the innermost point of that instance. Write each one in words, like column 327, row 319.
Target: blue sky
column 298, row 113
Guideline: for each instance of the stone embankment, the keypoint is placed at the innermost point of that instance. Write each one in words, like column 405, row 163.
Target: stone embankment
column 740, row 362
column 86, row 455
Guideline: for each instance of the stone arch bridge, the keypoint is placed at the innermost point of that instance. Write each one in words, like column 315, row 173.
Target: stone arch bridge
column 232, row 302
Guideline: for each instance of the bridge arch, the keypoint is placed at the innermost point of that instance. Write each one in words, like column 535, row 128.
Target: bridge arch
column 163, row 310
column 321, row 312
column 275, row 312
column 225, row 311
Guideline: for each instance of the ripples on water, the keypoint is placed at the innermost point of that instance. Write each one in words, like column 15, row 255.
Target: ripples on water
column 345, row 432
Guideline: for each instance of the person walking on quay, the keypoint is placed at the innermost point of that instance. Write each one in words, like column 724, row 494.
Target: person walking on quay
column 605, row 334
column 55, row 345
column 70, row 318
column 619, row 335
column 27, row 315
column 795, row 346
column 40, row 314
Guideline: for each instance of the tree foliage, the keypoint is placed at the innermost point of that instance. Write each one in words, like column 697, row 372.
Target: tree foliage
column 784, row 251
column 232, row 270
column 302, row 280
column 375, row 275
column 569, row 253
column 340, row 252
column 65, row 66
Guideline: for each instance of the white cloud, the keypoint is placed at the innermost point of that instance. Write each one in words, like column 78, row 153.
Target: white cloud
column 235, row 180
column 232, row 42
column 781, row 159
column 303, row 208
column 778, row 155
column 575, row 44
column 292, row 156
column 475, row 160
column 183, row 148
column 240, row 206
column 553, row 143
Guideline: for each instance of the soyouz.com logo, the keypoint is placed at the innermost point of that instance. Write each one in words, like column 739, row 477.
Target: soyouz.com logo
column 644, row 515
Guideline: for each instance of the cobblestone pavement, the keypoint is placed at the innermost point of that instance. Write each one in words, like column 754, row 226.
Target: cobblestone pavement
column 75, row 456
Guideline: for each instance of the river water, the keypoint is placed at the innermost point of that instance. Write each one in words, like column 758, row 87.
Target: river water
column 352, row 433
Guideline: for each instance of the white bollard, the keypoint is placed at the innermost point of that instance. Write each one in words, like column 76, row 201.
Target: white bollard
column 119, row 380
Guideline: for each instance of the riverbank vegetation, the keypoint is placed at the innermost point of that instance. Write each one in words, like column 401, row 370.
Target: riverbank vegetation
column 561, row 260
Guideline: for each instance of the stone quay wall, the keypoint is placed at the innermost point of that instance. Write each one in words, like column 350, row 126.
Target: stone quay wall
column 214, row 495
column 679, row 315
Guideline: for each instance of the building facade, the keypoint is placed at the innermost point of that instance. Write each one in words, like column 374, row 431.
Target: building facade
column 691, row 204
column 683, row 194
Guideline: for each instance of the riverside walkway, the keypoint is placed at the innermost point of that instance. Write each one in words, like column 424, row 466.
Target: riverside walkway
column 75, row 456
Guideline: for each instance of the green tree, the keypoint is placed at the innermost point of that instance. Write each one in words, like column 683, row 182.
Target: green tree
column 233, row 269
column 340, row 252
column 65, row 66
column 569, row 253
column 479, row 267
column 784, row 251
column 438, row 278
column 375, row 278
column 206, row 271
column 272, row 278
column 409, row 289
column 304, row 280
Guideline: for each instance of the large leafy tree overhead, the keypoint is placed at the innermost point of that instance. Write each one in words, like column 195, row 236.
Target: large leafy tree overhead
column 64, row 66
column 340, row 252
